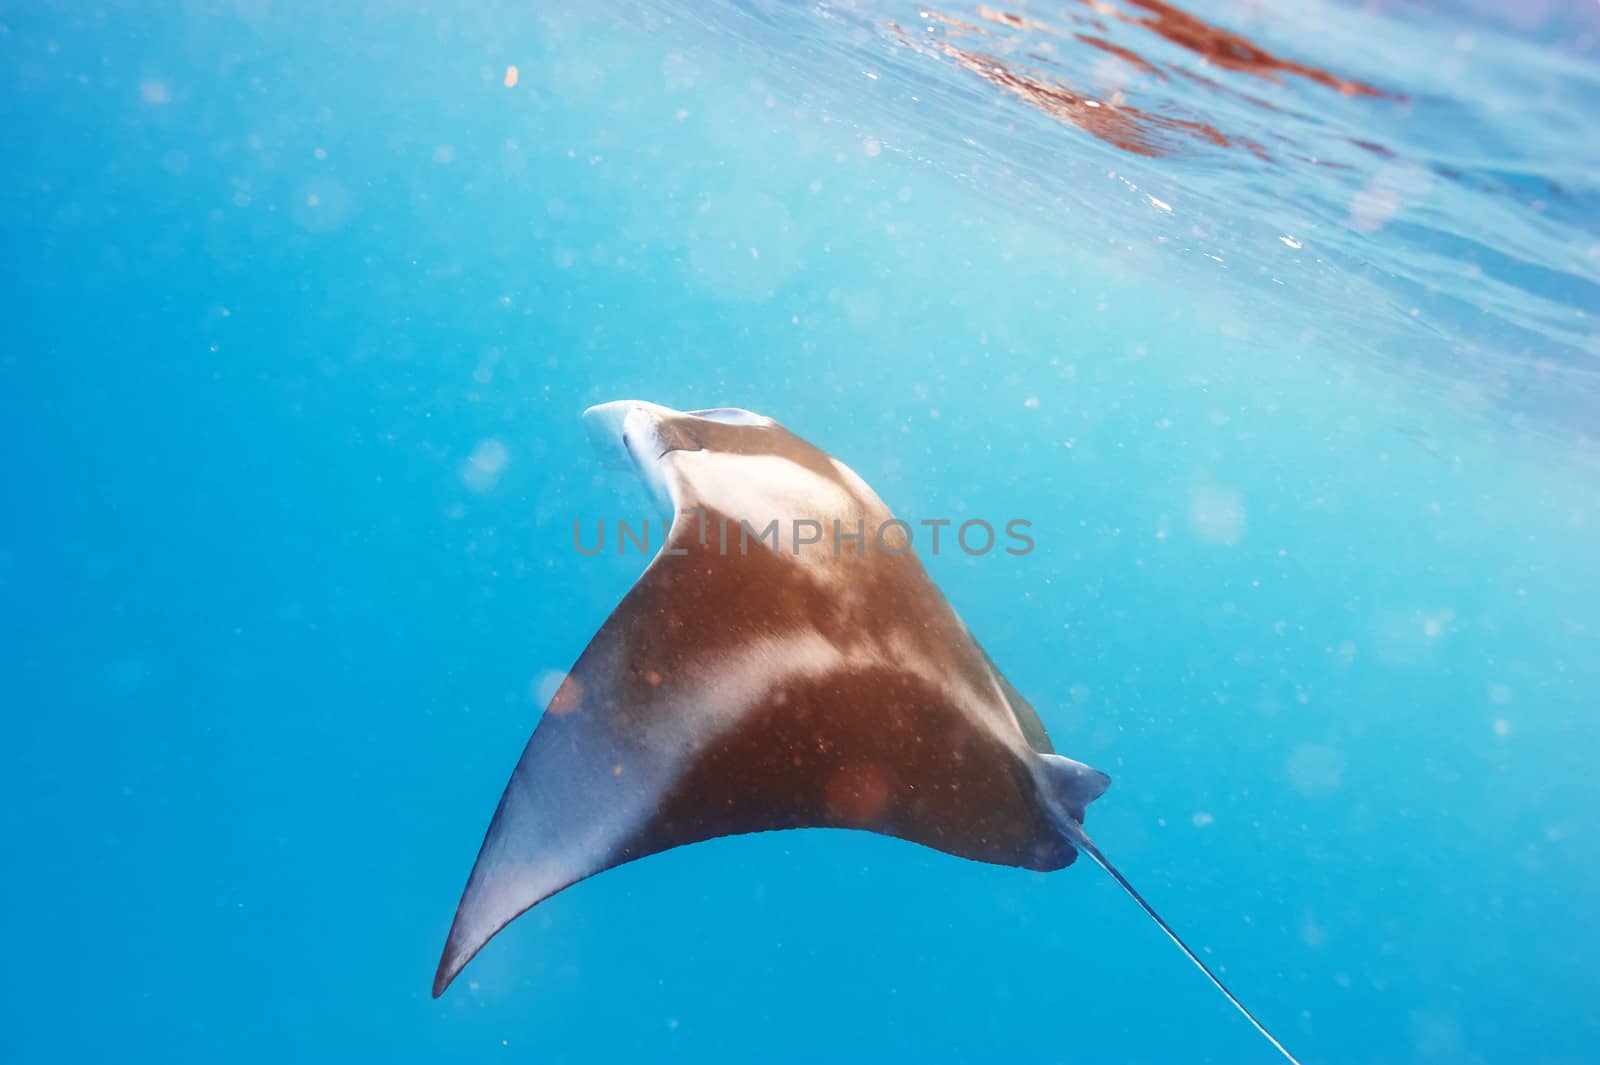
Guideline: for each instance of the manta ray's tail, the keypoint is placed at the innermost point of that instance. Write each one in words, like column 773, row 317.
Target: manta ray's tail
column 1082, row 841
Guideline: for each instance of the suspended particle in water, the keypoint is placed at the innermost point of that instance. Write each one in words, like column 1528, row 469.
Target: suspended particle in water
column 482, row 470
column 1316, row 769
column 545, row 685
column 1217, row 514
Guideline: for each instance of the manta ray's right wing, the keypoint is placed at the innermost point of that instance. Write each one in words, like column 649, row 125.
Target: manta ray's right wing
column 1027, row 717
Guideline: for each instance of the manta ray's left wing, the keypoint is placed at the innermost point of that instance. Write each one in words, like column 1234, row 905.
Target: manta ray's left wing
column 609, row 745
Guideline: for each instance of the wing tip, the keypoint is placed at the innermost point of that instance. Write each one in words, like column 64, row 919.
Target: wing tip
column 489, row 903
column 442, row 979
column 453, row 960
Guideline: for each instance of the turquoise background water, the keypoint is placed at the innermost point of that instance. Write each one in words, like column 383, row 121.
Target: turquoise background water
column 302, row 306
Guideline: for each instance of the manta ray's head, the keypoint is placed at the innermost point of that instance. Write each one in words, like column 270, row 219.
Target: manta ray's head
column 631, row 434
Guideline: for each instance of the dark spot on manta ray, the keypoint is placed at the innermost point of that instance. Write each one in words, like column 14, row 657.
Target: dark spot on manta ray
column 737, row 693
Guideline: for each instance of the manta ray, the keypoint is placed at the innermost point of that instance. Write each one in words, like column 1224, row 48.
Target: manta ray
column 755, row 679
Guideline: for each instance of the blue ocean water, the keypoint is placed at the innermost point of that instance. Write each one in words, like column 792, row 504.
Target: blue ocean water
column 1276, row 321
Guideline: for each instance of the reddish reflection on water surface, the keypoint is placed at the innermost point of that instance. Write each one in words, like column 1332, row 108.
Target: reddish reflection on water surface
column 1108, row 115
